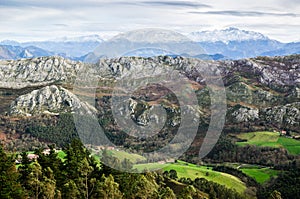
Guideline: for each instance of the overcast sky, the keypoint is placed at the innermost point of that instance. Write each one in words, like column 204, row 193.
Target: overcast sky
column 25, row 20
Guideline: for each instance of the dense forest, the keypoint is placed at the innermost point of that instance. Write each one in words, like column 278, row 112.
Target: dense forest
column 80, row 175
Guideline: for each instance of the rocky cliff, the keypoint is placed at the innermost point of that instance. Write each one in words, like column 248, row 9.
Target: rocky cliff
column 260, row 91
column 36, row 72
column 49, row 100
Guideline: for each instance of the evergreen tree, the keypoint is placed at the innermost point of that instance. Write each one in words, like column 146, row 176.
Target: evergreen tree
column 188, row 192
column 25, row 170
column 107, row 188
column 79, row 170
column 10, row 188
column 34, row 180
column 166, row 193
column 70, row 190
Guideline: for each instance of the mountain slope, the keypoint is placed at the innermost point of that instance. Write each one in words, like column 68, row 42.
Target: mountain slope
column 51, row 100
column 36, row 71
column 226, row 35
column 235, row 43
column 17, row 52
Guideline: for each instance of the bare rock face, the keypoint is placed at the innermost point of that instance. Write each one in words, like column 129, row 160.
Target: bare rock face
column 285, row 116
column 36, row 72
column 49, row 100
column 265, row 89
column 278, row 71
column 244, row 114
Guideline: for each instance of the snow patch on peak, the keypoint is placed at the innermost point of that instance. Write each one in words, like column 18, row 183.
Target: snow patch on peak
column 26, row 54
column 226, row 35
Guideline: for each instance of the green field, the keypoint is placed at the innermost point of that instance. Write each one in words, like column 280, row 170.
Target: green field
column 121, row 155
column 193, row 171
column 270, row 139
column 261, row 175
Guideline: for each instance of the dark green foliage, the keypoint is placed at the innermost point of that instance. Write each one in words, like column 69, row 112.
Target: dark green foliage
column 81, row 176
column 226, row 151
column 287, row 183
column 10, row 188
column 61, row 133
column 171, row 174
column 215, row 190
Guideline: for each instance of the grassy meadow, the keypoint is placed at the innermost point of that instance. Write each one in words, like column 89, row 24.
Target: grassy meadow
column 270, row 139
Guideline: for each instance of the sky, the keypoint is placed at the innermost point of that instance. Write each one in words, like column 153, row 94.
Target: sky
column 43, row 19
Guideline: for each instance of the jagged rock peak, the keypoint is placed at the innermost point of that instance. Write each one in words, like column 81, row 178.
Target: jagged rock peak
column 36, row 71
column 49, row 100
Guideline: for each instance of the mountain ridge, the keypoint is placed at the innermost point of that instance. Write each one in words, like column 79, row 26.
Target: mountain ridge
column 231, row 43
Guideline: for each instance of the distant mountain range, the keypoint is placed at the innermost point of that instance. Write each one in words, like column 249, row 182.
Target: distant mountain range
column 17, row 52
column 234, row 43
column 230, row 43
column 69, row 47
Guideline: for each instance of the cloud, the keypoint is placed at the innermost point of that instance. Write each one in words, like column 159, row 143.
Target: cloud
column 50, row 4
column 60, row 25
column 177, row 4
column 32, row 19
column 70, row 4
column 246, row 13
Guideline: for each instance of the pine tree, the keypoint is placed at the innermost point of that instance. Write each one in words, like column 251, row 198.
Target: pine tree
column 10, row 188
column 79, row 170
column 70, row 190
column 25, row 170
column 34, row 180
column 188, row 192
column 48, row 184
column 107, row 188
column 167, row 193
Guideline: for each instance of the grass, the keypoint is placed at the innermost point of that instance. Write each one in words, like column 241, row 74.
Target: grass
column 261, row 175
column 62, row 155
column 193, row 171
column 270, row 139
column 121, row 155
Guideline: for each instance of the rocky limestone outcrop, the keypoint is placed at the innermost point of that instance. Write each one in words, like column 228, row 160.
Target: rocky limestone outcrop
column 278, row 71
column 37, row 71
column 259, row 85
column 49, row 100
column 284, row 116
column 239, row 114
column 287, row 115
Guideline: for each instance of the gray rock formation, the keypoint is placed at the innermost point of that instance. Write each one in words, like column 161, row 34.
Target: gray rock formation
column 245, row 114
column 49, row 100
column 267, row 89
column 284, row 116
column 36, row 72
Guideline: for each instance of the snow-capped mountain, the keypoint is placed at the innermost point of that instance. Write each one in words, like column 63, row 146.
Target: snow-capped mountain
column 235, row 43
column 226, row 35
column 230, row 43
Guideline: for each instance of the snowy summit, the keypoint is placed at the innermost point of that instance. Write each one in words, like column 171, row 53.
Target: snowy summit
column 226, row 35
